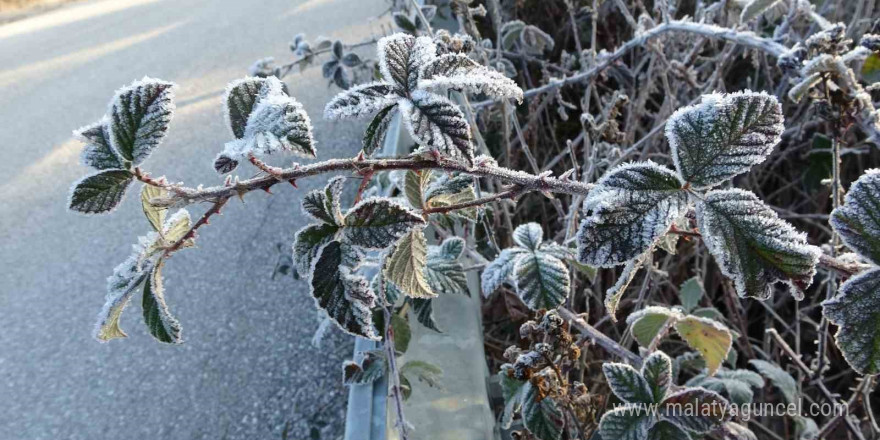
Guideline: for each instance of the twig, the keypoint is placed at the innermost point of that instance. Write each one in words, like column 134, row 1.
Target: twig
column 509, row 194
column 214, row 209
column 603, row 341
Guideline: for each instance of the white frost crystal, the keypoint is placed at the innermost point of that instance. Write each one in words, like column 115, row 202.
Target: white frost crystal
column 858, row 220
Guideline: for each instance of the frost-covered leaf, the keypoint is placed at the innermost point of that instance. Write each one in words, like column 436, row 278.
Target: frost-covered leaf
column 98, row 153
column 414, row 185
column 323, row 204
column 627, row 383
column 690, row 293
column 629, row 209
column 528, row 236
column 628, row 422
column 856, row 312
column 425, row 372
column 99, row 192
column 664, row 430
column 648, row 323
column 448, row 184
column 378, row 223
column 370, row 368
column 126, row 278
column 175, row 228
column 277, row 123
column 735, row 385
column 444, row 273
column 374, row 135
column 500, row 269
column 362, row 100
column 466, row 195
column 806, row 428
column 542, row 280
column 657, row 371
column 695, row 409
column 724, row 135
column 858, row 220
column 614, row 294
column 424, row 311
column 512, row 391
column 155, row 214
column 780, row 379
column 535, row 41
column 162, row 325
column 711, row 338
column 510, row 32
column 755, row 8
column 402, row 56
column 457, row 71
column 308, row 242
column 346, row 298
column 139, row 118
column 243, row 95
column 436, row 123
column 735, row 431
column 405, row 266
column 542, row 416
column 753, row 246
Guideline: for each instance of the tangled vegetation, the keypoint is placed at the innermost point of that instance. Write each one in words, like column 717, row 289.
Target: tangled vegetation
column 639, row 183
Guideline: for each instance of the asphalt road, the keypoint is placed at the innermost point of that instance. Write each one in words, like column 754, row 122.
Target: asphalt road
column 247, row 368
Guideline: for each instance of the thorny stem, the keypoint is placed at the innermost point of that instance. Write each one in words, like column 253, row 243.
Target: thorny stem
column 214, row 209
column 603, row 341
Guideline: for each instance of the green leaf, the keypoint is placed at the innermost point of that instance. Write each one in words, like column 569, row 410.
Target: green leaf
column 649, row 323
column 436, row 123
column 542, row 280
column 458, row 71
column 443, row 271
column 753, row 246
column 140, row 115
column 163, row 326
column 402, row 332
column 155, row 214
column 629, row 422
column 780, row 379
column 323, row 204
column 466, row 195
column 346, row 298
column 277, row 123
column 858, row 220
column 735, row 385
column 242, row 96
column 690, row 293
column 126, row 278
column 512, row 390
column 500, row 269
column 695, row 409
column 361, row 100
column 370, row 368
column 724, row 135
column 307, row 243
column 664, row 430
column 615, row 293
column 627, row 383
column 542, row 416
column 98, row 153
column 414, row 185
column 99, row 192
column 374, row 136
column 448, row 184
column 710, row 338
column 856, row 312
column 528, row 236
column 405, row 266
column 628, row 211
column 378, row 223
column 657, row 371
column 425, row 372
column 424, row 311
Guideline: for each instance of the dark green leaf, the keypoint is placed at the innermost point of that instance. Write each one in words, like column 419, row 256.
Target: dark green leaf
column 378, row 223
column 163, row 326
column 99, row 192
column 98, row 153
column 139, row 118
column 346, row 298
column 856, row 312
column 374, row 136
